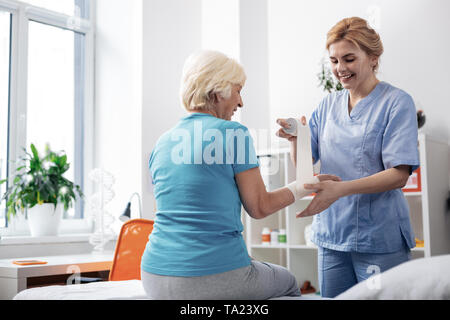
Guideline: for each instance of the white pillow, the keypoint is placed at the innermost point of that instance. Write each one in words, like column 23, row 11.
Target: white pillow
column 418, row 279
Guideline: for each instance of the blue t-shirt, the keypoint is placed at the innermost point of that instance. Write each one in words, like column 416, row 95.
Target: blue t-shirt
column 380, row 133
column 198, row 228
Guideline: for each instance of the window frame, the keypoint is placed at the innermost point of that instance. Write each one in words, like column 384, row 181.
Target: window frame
column 21, row 14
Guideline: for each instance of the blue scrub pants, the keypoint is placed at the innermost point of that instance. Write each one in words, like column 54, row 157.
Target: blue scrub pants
column 339, row 271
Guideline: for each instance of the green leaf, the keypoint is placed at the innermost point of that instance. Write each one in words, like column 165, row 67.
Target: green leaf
column 45, row 185
column 34, row 150
column 64, row 160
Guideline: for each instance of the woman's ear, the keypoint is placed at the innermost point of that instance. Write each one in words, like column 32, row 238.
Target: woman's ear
column 213, row 97
column 374, row 62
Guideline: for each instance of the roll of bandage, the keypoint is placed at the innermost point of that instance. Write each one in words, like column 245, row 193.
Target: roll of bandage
column 292, row 123
column 304, row 170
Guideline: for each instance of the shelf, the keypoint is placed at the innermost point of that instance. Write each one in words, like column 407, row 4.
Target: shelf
column 302, row 246
column 269, row 246
column 412, row 194
column 283, row 246
column 429, row 219
column 274, row 151
column 407, row 194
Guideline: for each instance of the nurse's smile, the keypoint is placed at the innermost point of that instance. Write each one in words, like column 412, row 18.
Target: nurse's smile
column 350, row 64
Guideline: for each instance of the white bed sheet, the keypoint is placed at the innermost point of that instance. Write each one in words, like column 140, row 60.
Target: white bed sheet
column 425, row 278
column 105, row 290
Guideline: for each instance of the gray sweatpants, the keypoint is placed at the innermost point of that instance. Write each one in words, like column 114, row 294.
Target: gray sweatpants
column 258, row 281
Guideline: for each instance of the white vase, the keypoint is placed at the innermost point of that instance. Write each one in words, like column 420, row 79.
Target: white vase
column 44, row 219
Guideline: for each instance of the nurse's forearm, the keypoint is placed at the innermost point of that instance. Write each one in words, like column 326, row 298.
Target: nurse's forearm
column 389, row 179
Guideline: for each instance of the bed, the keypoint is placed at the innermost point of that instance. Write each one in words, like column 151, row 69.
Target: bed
column 418, row 279
column 104, row 290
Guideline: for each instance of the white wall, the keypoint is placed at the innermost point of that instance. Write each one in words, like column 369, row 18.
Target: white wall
column 171, row 31
column 141, row 47
column 416, row 43
column 238, row 28
column 254, row 55
column 118, row 96
column 220, row 26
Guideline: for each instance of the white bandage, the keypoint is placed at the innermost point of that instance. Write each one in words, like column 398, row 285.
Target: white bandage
column 300, row 191
column 304, row 171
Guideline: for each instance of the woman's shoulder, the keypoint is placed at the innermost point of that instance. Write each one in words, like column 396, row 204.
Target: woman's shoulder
column 331, row 101
column 394, row 92
column 232, row 125
column 395, row 99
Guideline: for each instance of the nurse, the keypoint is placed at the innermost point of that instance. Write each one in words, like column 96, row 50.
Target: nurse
column 367, row 135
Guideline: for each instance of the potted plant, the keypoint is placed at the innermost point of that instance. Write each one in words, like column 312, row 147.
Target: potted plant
column 326, row 79
column 40, row 188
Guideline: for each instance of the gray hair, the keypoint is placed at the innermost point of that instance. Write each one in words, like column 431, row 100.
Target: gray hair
column 206, row 73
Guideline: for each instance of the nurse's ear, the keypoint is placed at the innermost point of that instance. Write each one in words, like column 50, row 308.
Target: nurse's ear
column 374, row 60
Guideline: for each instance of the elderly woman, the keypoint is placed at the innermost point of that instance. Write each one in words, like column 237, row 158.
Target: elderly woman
column 203, row 170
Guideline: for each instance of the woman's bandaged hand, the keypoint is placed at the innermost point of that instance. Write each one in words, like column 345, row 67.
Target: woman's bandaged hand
column 299, row 191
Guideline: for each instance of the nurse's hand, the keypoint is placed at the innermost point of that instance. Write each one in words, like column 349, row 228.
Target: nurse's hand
column 327, row 193
column 283, row 123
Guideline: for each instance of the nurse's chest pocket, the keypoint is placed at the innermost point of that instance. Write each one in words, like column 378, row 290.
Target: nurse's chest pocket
column 342, row 137
column 372, row 148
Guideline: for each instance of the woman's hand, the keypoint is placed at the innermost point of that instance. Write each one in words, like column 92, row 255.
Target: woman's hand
column 328, row 191
column 293, row 139
column 283, row 123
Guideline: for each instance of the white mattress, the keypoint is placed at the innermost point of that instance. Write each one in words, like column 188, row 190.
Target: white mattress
column 105, row 290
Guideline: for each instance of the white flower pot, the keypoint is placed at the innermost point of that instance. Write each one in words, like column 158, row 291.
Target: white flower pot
column 44, row 219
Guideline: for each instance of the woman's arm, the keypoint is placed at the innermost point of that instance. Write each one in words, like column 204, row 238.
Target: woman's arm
column 257, row 201
column 385, row 180
column 329, row 191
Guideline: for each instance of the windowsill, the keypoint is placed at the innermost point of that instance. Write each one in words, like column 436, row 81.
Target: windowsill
column 78, row 229
column 64, row 238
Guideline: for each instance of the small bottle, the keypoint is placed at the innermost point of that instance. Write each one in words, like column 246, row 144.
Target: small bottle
column 266, row 236
column 282, row 236
column 274, row 237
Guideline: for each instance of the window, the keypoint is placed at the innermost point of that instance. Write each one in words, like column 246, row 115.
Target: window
column 68, row 7
column 5, row 45
column 46, row 62
column 52, row 88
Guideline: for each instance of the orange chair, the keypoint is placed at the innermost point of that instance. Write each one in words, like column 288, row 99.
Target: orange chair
column 129, row 249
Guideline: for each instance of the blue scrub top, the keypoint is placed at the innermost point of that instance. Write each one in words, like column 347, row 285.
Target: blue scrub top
column 198, row 228
column 379, row 133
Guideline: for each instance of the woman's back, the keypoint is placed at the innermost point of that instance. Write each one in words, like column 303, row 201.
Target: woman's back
column 198, row 222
